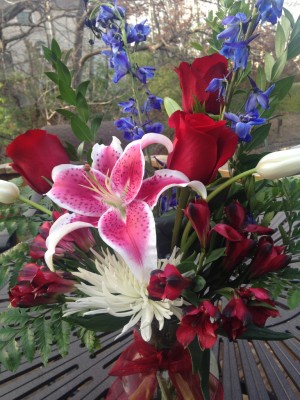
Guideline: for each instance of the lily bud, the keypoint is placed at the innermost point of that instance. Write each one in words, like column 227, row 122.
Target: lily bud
column 9, row 192
column 279, row 164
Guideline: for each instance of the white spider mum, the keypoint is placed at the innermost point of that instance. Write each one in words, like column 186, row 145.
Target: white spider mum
column 116, row 291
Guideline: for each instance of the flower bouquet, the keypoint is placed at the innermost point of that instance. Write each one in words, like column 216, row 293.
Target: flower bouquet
column 161, row 245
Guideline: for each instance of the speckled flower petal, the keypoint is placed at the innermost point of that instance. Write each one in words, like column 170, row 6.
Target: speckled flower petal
column 61, row 227
column 72, row 190
column 133, row 237
column 105, row 157
column 162, row 180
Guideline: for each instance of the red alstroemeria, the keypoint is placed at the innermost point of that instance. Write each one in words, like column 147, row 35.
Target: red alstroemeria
column 236, row 252
column 255, row 298
column 235, row 318
column 200, row 321
column 38, row 285
column 201, row 145
column 195, row 78
column 268, row 258
column 112, row 195
column 35, row 153
column 236, row 216
column 81, row 238
column 197, row 211
column 167, row 284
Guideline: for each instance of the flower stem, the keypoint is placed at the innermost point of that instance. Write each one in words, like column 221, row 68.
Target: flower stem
column 183, row 198
column 229, row 182
column 35, row 205
column 164, row 395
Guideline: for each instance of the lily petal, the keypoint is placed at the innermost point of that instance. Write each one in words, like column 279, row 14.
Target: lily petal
column 105, row 157
column 154, row 138
column 61, row 227
column 134, row 237
column 71, row 190
column 162, row 180
column 127, row 174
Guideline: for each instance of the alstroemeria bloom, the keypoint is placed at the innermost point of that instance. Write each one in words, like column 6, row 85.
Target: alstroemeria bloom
column 115, row 290
column 279, row 164
column 201, row 321
column 112, row 195
column 235, row 318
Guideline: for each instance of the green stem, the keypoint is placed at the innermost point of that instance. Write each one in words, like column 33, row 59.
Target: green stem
column 164, row 395
column 229, row 182
column 185, row 247
column 35, row 205
column 185, row 234
column 183, row 198
column 201, row 259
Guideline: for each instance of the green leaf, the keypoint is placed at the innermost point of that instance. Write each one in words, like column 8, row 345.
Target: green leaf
column 82, row 87
column 280, row 40
column 65, row 113
column 53, row 76
column 171, row 106
column 199, row 283
column 14, row 316
column 191, row 296
column 259, row 135
column 61, row 332
column 55, row 48
column 261, row 333
column 294, row 296
column 43, row 335
column 89, row 339
column 282, row 87
column 279, row 66
column 289, row 16
column 80, row 129
column 49, row 55
column 63, row 72
column 10, row 356
column 269, row 63
column 201, row 361
column 67, row 93
column 294, row 47
column 296, row 29
column 99, row 323
column 28, row 343
column 82, row 107
column 196, row 46
column 286, row 26
column 186, row 266
column 261, row 79
column 215, row 255
column 95, row 124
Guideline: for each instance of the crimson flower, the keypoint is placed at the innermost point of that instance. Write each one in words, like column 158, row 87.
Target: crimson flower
column 235, row 318
column 201, row 321
column 196, row 77
column 35, row 153
column 167, row 284
column 259, row 304
column 38, row 285
column 198, row 213
column 81, row 238
column 268, row 258
column 201, row 145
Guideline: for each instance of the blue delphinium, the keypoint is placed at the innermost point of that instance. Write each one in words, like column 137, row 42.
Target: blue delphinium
column 269, row 10
column 257, row 96
column 219, row 85
column 122, row 38
column 236, row 24
column 242, row 123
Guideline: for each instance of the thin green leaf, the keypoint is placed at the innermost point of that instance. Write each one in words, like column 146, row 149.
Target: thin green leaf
column 279, row 66
column 294, row 47
column 171, row 106
column 65, row 113
column 294, row 297
column 215, row 255
column 260, row 333
column 28, row 343
column 63, row 72
column 80, row 129
column 99, row 323
column 95, row 124
column 67, row 93
column 82, row 87
column 55, row 48
column 280, row 40
column 82, row 107
column 290, row 17
column 269, row 63
column 196, row 46
column 201, row 361
column 10, row 356
column 43, row 335
column 53, row 76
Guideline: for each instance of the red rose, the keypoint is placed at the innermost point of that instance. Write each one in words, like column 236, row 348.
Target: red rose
column 35, row 153
column 201, row 145
column 194, row 79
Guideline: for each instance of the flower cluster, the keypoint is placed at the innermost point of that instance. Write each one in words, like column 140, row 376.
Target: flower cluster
column 108, row 22
column 173, row 249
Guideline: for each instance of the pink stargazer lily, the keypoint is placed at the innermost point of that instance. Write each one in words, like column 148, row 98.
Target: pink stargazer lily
column 112, row 195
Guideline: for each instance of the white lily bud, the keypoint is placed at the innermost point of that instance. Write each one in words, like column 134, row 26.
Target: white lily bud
column 9, row 192
column 279, row 164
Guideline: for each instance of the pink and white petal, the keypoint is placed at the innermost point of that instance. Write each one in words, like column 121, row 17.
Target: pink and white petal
column 63, row 226
column 162, row 180
column 134, row 237
column 72, row 190
column 127, row 174
column 155, row 138
column 105, row 157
